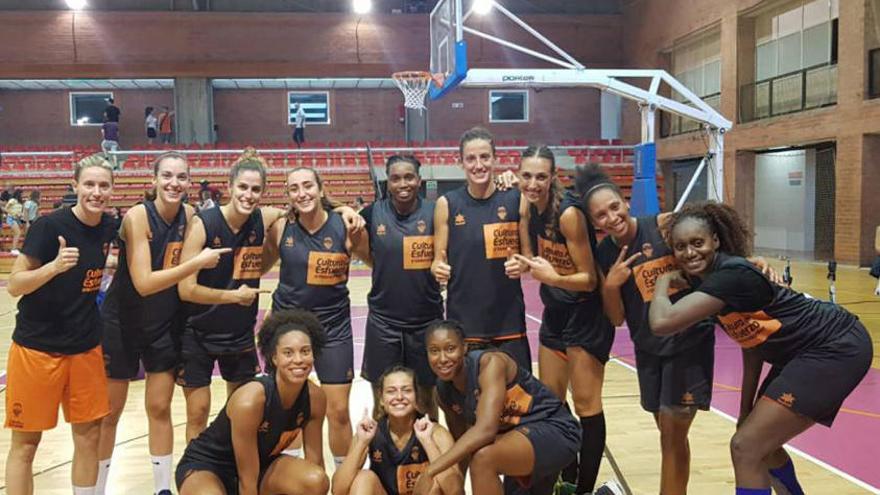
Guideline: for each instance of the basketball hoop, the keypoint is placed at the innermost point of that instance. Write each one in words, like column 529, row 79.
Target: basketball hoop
column 414, row 85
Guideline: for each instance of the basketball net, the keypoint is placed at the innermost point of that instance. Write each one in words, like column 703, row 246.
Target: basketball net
column 414, row 85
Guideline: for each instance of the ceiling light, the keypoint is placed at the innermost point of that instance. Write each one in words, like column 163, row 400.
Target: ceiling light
column 76, row 4
column 482, row 7
column 362, row 6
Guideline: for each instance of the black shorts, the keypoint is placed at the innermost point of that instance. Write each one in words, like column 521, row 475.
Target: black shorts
column 197, row 363
column 556, row 442
column 124, row 353
column 335, row 366
column 576, row 325
column 516, row 346
column 186, row 467
column 386, row 346
column 816, row 382
column 680, row 380
column 151, row 132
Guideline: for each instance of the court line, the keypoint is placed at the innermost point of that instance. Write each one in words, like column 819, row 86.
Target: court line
column 608, row 455
column 843, row 474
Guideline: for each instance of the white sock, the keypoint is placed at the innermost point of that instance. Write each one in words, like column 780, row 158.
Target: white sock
column 103, row 471
column 161, row 472
column 338, row 460
column 293, row 452
column 84, row 490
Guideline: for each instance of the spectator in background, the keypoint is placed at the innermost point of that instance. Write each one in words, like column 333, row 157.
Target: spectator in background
column 110, row 142
column 299, row 131
column 205, row 200
column 151, row 124
column 14, row 209
column 166, row 125
column 111, row 112
column 875, row 267
column 31, row 209
column 69, row 198
column 5, row 196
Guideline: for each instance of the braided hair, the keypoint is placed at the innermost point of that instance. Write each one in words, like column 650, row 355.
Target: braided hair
column 733, row 235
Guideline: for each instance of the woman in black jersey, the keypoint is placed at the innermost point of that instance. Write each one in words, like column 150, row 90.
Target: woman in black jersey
column 314, row 247
column 223, row 309
column 476, row 233
column 675, row 374
column 818, row 350
column 140, row 312
column 575, row 334
column 399, row 445
column 504, row 419
column 56, row 358
column 242, row 451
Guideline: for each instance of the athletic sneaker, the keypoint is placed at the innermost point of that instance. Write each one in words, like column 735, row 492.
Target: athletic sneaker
column 610, row 487
column 164, row 492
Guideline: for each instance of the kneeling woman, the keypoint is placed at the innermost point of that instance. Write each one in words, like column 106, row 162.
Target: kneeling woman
column 241, row 451
column 400, row 445
column 510, row 417
column 819, row 351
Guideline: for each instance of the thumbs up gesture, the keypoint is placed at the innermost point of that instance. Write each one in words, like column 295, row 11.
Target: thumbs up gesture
column 67, row 257
column 441, row 269
column 512, row 267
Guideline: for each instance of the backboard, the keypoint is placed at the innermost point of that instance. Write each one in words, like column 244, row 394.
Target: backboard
column 448, row 48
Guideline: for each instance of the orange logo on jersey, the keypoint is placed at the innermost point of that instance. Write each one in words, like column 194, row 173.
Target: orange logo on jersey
column 687, row 399
column 181, row 229
column 414, row 453
column 499, row 237
column 217, row 242
column 300, row 418
column 459, row 219
column 377, row 456
column 247, row 263
column 786, row 399
column 380, row 230
column 647, row 273
column 407, row 475
column 456, row 408
column 263, row 427
column 502, row 213
column 516, row 405
column 286, row 439
column 327, row 268
column 328, row 242
column 749, row 329
column 252, row 237
column 422, row 226
column 557, row 254
column 648, row 250
column 418, row 252
column 92, row 280
column 288, row 241
column 149, row 235
column 172, row 255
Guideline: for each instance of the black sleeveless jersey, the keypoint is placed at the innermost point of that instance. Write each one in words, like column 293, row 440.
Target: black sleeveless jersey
column 638, row 292
column 777, row 322
column 548, row 242
column 480, row 296
column 229, row 327
column 276, row 432
column 404, row 293
column 152, row 316
column 527, row 400
column 398, row 470
column 314, row 269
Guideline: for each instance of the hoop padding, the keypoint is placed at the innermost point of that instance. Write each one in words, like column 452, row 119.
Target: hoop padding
column 414, row 85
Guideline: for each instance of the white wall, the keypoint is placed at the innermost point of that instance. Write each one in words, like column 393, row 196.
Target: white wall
column 785, row 205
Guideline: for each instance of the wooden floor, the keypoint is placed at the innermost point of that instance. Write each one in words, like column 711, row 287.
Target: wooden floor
column 632, row 438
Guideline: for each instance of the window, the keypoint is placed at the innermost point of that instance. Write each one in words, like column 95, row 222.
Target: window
column 508, row 106
column 795, row 35
column 88, row 108
column 316, row 106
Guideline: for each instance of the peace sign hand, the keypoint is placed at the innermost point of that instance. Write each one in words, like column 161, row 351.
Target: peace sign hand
column 621, row 270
